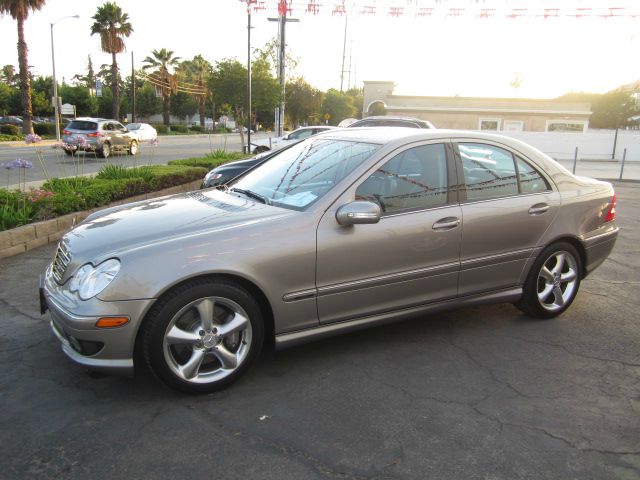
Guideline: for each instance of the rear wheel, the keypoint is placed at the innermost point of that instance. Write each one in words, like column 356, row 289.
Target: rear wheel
column 203, row 335
column 105, row 151
column 553, row 282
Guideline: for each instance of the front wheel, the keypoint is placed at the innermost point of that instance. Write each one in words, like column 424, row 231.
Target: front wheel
column 133, row 148
column 553, row 282
column 203, row 335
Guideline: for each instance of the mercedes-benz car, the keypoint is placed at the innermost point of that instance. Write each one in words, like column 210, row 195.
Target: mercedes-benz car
column 347, row 229
column 298, row 134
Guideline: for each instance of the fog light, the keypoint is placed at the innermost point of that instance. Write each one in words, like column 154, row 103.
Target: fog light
column 112, row 322
column 75, row 344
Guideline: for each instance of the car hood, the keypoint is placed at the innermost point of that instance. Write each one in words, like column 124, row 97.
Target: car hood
column 117, row 230
column 238, row 163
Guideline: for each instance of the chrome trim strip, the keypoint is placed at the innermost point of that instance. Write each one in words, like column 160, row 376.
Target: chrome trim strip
column 290, row 339
column 388, row 278
column 493, row 199
column 591, row 240
column 500, row 257
column 301, row 295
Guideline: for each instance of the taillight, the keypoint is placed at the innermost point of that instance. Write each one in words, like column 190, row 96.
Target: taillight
column 94, row 134
column 611, row 214
column 66, row 132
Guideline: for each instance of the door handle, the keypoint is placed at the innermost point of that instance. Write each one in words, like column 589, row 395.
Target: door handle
column 446, row 223
column 538, row 208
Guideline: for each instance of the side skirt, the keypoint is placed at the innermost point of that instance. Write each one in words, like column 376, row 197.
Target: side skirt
column 299, row 337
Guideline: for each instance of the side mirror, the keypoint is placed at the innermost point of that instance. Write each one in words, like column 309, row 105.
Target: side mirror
column 358, row 212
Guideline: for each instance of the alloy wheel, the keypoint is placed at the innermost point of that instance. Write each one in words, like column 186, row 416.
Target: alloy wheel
column 557, row 281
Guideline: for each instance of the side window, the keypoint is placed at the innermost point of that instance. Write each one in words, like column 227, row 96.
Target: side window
column 530, row 180
column 108, row 126
column 301, row 134
column 489, row 171
column 412, row 180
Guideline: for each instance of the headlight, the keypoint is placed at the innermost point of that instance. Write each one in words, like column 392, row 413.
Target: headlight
column 89, row 281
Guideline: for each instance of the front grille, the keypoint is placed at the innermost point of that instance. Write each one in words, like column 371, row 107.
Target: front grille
column 60, row 262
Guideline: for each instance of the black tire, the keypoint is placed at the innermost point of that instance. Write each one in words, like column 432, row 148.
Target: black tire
column 545, row 294
column 133, row 148
column 105, row 151
column 179, row 311
column 68, row 151
column 260, row 149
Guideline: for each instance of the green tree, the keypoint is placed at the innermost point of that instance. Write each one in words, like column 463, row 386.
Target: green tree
column 9, row 76
column 303, row 102
column 147, row 103
column 89, row 79
column 338, row 105
column 163, row 61
column 197, row 72
column 80, row 96
column 614, row 109
column 7, row 94
column 229, row 86
column 357, row 99
column 183, row 104
column 113, row 27
column 19, row 11
column 265, row 91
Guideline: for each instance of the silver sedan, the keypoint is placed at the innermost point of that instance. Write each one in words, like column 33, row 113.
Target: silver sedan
column 347, row 229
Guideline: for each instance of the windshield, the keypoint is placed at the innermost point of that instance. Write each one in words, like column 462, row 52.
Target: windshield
column 300, row 175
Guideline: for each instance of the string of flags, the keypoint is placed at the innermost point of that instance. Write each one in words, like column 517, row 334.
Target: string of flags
column 481, row 9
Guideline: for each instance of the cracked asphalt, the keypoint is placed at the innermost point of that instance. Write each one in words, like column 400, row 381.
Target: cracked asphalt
column 478, row 393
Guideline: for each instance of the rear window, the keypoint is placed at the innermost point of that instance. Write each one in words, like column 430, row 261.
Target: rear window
column 82, row 125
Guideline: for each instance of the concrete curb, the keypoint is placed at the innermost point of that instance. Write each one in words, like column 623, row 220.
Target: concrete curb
column 22, row 239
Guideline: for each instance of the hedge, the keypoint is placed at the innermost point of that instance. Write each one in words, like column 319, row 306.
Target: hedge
column 211, row 160
column 61, row 196
column 10, row 130
column 44, row 128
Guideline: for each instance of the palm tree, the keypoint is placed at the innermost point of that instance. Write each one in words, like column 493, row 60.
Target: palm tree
column 161, row 61
column 19, row 10
column 197, row 72
column 113, row 26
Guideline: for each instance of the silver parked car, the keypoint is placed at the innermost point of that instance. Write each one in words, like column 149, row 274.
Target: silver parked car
column 98, row 135
column 347, row 229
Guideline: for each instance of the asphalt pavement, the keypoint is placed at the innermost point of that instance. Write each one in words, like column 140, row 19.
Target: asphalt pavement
column 478, row 393
column 53, row 162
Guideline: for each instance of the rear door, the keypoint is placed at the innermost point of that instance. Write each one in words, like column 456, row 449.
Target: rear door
column 409, row 258
column 507, row 205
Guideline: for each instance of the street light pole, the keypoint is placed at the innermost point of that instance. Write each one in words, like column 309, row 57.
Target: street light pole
column 56, row 107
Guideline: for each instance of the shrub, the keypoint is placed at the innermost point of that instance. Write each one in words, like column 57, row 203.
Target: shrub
column 162, row 129
column 10, row 130
column 179, row 128
column 15, row 209
column 197, row 128
column 10, row 138
column 44, row 128
column 211, row 160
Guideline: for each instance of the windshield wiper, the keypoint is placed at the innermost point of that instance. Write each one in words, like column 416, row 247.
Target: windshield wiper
column 254, row 195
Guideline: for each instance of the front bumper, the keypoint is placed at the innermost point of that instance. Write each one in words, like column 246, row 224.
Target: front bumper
column 109, row 350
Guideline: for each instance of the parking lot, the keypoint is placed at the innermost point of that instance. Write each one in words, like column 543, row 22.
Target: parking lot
column 477, row 393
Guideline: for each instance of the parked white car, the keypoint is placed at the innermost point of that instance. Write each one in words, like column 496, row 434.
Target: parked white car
column 143, row 131
column 278, row 142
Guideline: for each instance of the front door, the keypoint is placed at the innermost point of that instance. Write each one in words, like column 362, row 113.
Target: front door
column 409, row 258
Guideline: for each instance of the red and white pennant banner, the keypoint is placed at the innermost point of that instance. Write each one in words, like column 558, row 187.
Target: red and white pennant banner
column 483, row 9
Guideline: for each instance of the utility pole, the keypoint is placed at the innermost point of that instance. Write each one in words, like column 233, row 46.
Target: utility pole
column 344, row 52
column 133, row 91
column 248, row 76
column 282, row 22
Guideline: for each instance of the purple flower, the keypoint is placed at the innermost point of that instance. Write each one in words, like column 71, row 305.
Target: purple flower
column 80, row 141
column 58, row 145
column 32, row 138
column 18, row 163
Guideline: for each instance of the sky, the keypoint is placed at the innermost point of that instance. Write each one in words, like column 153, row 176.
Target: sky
column 452, row 51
